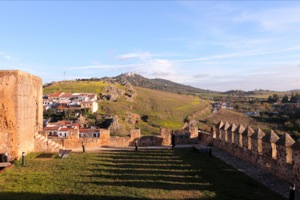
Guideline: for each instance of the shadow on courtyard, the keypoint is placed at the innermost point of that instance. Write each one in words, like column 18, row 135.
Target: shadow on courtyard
column 38, row 196
column 180, row 170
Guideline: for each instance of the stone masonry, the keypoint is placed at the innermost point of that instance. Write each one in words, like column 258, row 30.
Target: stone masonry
column 279, row 155
column 21, row 112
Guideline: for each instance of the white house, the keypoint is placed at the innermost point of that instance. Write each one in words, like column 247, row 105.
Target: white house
column 93, row 105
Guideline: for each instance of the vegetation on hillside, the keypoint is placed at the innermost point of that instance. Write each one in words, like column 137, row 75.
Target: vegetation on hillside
column 155, row 108
column 76, row 86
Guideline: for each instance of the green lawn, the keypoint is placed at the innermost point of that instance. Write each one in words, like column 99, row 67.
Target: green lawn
column 128, row 175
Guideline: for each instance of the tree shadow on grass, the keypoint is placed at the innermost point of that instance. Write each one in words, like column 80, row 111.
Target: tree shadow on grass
column 216, row 176
column 39, row 196
column 152, row 171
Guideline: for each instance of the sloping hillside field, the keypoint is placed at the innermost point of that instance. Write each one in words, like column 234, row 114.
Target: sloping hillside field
column 157, row 108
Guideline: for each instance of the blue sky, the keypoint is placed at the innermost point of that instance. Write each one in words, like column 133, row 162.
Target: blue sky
column 217, row 45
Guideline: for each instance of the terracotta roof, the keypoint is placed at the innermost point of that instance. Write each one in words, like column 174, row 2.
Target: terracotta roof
column 258, row 134
column 68, row 95
column 66, row 129
column 55, row 95
column 271, row 138
column 51, row 128
column 240, row 129
column 285, row 140
column 248, row 132
column 88, row 130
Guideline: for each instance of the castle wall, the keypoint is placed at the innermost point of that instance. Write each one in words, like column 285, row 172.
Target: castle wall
column 279, row 156
column 20, row 111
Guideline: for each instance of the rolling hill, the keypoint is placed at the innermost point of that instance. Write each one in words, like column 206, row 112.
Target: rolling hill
column 152, row 108
column 156, row 84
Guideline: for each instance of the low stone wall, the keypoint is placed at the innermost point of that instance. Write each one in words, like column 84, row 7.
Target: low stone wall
column 279, row 155
column 74, row 142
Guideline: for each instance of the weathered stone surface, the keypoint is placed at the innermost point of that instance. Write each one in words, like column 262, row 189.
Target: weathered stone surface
column 271, row 138
column 248, row 131
column 258, row 134
column 285, row 140
column 112, row 93
column 132, row 118
column 21, row 110
column 166, row 134
column 280, row 156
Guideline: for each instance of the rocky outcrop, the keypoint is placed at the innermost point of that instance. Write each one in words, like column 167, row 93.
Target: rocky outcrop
column 117, row 128
column 113, row 93
column 132, row 118
column 130, row 92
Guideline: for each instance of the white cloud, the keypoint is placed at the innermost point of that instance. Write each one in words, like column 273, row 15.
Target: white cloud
column 6, row 56
column 138, row 54
column 279, row 19
column 106, row 66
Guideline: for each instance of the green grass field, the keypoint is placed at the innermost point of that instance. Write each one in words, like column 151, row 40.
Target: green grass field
column 153, row 174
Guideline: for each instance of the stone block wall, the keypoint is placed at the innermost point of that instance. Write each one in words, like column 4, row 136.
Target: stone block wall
column 166, row 134
column 74, row 142
column 278, row 155
column 21, row 111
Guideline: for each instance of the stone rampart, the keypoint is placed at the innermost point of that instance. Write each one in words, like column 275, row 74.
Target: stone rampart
column 21, row 112
column 279, row 155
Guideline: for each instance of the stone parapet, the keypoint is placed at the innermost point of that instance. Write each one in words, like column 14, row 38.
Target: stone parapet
column 279, row 155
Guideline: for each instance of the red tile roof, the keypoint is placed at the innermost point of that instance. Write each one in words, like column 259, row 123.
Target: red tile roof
column 55, row 95
column 51, row 128
column 68, row 95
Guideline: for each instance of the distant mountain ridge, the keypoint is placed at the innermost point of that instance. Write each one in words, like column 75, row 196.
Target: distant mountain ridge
column 156, row 84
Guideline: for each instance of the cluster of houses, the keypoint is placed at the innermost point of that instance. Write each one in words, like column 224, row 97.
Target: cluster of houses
column 60, row 101
column 64, row 101
column 63, row 129
column 217, row 105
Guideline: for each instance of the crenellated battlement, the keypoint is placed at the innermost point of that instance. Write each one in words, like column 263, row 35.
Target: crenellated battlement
column 279, row 155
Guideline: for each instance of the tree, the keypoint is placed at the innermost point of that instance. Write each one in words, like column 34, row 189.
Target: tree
column 285, row 99
column 273, row 99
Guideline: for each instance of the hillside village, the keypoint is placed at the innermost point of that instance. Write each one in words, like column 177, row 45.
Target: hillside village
column 61, row 102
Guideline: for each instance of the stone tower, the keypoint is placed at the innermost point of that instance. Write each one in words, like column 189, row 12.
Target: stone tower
column 21, row 111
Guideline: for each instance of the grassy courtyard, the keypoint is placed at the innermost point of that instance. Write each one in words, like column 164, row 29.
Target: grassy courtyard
column 127, row 175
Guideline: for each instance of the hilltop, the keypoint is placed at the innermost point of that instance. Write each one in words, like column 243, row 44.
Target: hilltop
column 147, row 109
column 156, row 84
